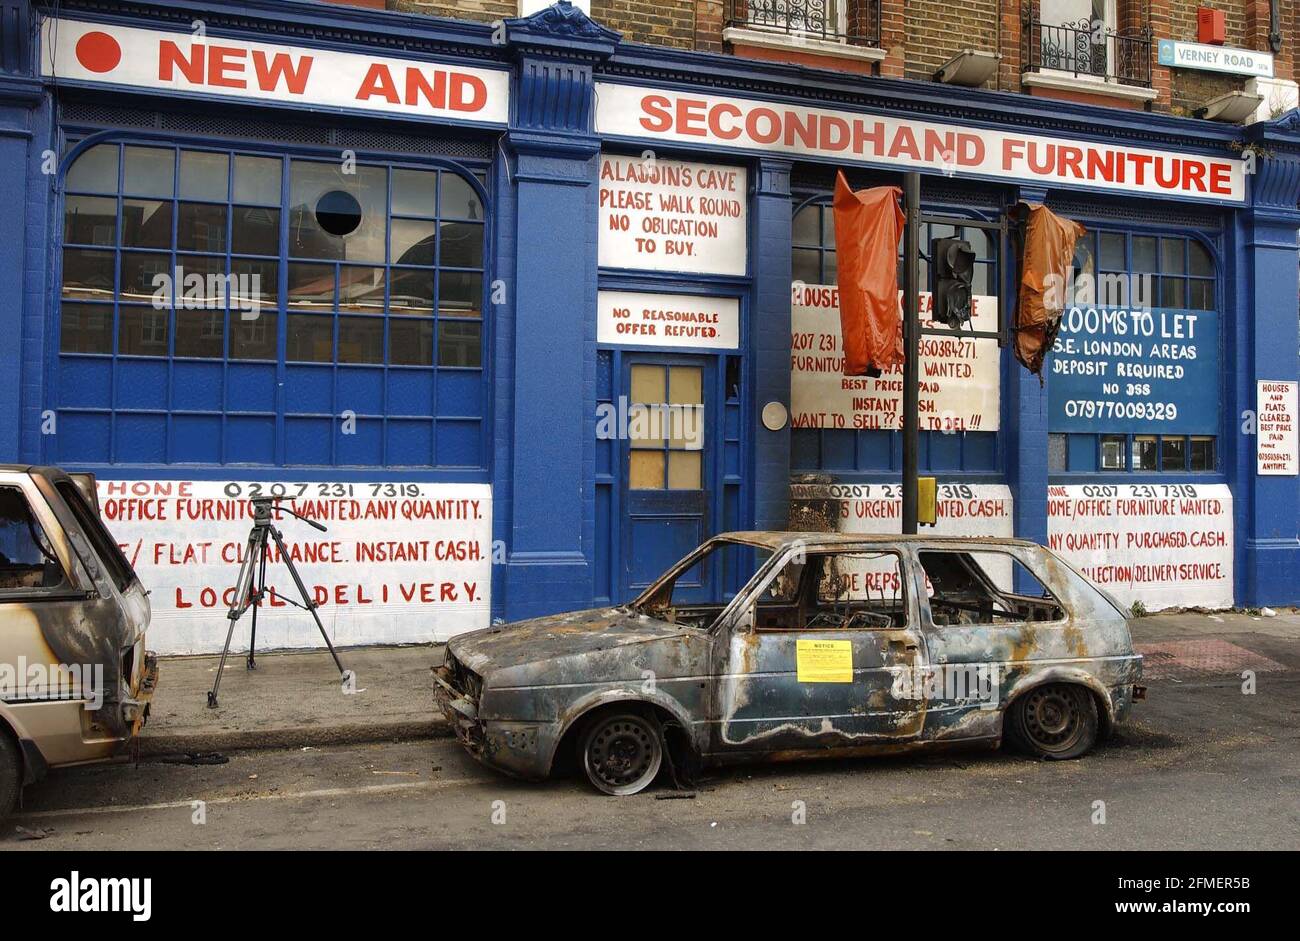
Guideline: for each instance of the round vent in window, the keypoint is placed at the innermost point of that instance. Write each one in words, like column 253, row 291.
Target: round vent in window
column 338, row 212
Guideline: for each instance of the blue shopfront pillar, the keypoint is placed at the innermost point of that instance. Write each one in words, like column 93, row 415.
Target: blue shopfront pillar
column 1024, row 419
column 22, row 250
column 545, row 488
column 1268, row 341
column 770, row 341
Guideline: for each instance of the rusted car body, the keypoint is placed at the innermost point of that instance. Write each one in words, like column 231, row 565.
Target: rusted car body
column 837, row 645
column 75, row 678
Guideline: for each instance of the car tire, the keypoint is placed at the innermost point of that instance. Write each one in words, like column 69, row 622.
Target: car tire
column 11, row 773
column 1056, row 721
column 621, row 753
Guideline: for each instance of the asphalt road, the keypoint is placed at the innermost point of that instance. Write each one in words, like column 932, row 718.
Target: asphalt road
column 1203, row 767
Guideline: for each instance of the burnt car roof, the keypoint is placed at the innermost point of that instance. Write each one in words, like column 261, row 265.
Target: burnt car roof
column 780, row 539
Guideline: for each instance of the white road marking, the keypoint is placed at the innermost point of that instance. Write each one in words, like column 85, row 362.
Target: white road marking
column 238, row 799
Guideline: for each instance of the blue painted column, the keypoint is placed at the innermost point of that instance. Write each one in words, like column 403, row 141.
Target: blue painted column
column 553, row 157
column 769, row 342
column 21, row 267
column 1024, row 420
column 1267, row 508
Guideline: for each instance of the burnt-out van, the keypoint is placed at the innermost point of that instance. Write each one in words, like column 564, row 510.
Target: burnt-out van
column 75, row 678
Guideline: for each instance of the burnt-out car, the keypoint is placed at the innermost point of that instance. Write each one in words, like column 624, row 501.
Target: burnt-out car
column 773, row 646
column 75, row 678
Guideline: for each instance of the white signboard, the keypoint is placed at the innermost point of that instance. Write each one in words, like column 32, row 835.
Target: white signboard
column 894, row 142
column 1276, row 448
column 400, row 563
column 678, row 320
column 877, row 509
column 235, row 68
column 1194, row 55
column 667, row 215
column 1165, row 545
column 960, row 376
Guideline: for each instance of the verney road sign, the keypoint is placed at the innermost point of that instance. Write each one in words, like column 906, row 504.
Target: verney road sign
column 1192, row 55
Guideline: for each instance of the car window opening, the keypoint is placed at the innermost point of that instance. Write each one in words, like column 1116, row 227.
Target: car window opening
column 980, row 588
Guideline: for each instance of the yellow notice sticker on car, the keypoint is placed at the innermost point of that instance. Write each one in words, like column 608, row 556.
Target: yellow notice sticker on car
column 824, row 661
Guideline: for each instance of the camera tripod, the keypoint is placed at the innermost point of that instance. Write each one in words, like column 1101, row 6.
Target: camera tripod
column 250, row 586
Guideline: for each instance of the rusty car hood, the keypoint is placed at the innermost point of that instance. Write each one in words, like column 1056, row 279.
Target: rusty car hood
column 558, row 635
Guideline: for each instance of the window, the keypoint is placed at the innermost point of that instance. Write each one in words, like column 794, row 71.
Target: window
column 1201, row 452
column 813, row 450
column 979, row 587
column 833, row 591
column 823, row 19
column 1134, row 270
column 1112, row 452
column 27, row 558
column 666, row 428
column 106, row 548
column 281, row 292
column 1057, row 455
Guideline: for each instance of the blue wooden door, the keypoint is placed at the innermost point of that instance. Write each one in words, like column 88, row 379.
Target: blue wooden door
column 667, row 466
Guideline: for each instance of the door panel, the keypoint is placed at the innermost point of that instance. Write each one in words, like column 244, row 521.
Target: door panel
column 762, row 703
column 666, row 469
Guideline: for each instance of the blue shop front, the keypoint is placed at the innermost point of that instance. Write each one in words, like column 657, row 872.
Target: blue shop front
column 427, row 278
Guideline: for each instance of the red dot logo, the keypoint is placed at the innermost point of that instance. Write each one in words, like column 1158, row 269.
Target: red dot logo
column 98, row 52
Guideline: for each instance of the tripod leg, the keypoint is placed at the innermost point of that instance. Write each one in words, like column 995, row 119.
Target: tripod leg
column 302, row 590
column 251, row 662
column 238, row 604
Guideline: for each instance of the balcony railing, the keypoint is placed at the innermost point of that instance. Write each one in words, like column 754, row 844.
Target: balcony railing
column 854, row 22
column 1085, row 49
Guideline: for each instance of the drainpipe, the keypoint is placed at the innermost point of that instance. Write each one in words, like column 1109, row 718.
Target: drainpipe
column 1274, row 27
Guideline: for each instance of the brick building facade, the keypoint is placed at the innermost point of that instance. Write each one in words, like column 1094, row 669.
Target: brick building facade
column 913, row 39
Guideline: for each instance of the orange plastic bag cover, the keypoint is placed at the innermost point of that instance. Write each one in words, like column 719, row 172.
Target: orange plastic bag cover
column 868, row 224
column 1048, row 255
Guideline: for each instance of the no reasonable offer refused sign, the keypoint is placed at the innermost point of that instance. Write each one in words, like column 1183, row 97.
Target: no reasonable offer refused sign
column 236, row 68
column 676, row 320
column 710, row 120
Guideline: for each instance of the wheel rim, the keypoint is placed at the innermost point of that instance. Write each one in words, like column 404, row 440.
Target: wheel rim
column 1052, row 718
column 622, row 754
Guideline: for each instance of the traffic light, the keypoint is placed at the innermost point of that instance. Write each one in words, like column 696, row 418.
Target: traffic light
column 954, row 268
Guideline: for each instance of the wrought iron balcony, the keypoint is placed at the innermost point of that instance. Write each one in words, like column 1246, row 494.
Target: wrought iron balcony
column 1084, row 48
column 854, row 22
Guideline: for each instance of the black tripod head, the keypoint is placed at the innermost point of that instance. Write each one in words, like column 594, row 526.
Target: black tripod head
column 263, row 507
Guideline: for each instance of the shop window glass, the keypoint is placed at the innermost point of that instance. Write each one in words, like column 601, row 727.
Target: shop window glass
column 1144, row 253
column 257, row 180
column 1112, row 251
column 666, row 432
column 179, row 252
column 1172, row 260
column 204, row 175
column 1201, row 262
column 90, row 220
column 148, row 171
column 1145, row 456
column 1201, row 453
column 1112, row 452
column 95, row 171
column 1173, row 454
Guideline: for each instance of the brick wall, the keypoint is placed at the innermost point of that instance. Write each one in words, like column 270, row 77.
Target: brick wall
column 936, row 30
column 659, row 22
column 1189, row 88
column 481, row 10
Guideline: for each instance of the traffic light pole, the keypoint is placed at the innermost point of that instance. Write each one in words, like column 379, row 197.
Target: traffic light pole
column 911, row 347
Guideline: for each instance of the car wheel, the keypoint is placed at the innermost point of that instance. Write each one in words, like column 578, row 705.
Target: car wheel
column 1057, row 721
column 621, row 753
column 11, row 773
